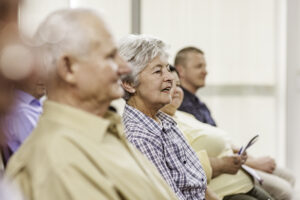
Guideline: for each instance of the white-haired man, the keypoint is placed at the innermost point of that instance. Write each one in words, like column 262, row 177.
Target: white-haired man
column 77, row 150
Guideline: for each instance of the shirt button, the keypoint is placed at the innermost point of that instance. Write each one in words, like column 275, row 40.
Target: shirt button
column 184, row 162
column 202, row 179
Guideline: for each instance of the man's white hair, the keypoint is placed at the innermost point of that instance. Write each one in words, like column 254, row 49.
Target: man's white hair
column 139, row 51
column 62, row 32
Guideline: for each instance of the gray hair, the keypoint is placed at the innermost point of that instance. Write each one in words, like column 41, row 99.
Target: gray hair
column 139, row 51
column 62, row 32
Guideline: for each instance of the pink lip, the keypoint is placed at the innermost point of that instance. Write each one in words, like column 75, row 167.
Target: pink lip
column 167, row 92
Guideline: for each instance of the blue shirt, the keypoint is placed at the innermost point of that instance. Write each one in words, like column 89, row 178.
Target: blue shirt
column 192, row 104
column 21, row 120
column 166, row 147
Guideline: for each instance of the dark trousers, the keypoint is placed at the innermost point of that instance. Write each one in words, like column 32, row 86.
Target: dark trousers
column 256, row 193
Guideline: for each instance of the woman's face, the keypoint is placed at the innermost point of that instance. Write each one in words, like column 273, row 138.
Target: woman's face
column 177, row 97
column 177, row 92
column 155, row 84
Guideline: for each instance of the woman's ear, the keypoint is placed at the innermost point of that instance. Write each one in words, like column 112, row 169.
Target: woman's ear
column 66, row 69
column 128, row 87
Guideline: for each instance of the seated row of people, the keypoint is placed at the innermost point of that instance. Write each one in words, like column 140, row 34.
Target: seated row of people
column 78, row 148
column 190, row 63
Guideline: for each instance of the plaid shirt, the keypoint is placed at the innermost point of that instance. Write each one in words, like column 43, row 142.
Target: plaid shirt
column 166, row 147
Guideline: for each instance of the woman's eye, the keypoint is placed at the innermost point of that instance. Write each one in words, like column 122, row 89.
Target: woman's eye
column 157, row 71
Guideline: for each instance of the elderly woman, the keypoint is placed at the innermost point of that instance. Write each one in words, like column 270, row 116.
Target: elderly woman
column 228, row 180
column 154, row 133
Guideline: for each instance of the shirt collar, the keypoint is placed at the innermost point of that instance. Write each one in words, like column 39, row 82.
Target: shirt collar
column 149, row 123
column 189, row 95
column 90, row 125
column 26, row 98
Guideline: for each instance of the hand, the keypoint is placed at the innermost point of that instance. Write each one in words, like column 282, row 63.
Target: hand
column 244, row 157
column 265, row 163
column 231, row 164
column 210, row 195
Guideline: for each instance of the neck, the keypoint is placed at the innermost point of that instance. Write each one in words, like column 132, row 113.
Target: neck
column 169, row 109
column 188, row 87
column 145, row 108
column 93, row 107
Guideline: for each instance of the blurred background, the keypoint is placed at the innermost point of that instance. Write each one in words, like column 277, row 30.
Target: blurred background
column 252, row 48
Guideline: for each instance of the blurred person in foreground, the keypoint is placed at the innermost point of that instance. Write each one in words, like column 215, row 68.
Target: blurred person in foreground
column 78, row 150
column 191, row 65
column 8, row 35
column 147, row 89
column 225, row 176
column 8, row 32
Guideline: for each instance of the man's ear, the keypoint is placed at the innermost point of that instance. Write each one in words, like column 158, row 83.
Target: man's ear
column 66, row 69
column 180, row 69
column 128, row 87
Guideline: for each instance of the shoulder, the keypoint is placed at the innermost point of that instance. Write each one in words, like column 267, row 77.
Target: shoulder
column 136, row 131
column 184, row 116
column 50, row 147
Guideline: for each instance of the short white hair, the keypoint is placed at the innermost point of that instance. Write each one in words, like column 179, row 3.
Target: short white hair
column 62, row 32
column 139, row 51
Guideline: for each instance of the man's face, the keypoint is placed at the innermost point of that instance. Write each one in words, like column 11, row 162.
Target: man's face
column 194, row 71
column 98, row 74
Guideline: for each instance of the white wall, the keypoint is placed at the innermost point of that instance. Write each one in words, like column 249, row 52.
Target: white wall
column 32, row 12
column 293, row 86
column 233, row 33
column 117, row 13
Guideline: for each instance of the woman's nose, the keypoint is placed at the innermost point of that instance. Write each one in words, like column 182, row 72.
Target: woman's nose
column 168, row 76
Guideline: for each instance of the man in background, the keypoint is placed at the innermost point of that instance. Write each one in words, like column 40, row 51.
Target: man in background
column 191, row 65
column 25, row 111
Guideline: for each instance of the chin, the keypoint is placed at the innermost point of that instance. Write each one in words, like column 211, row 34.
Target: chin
column 117, row 96
column 117, row 92
column 167, row 101
column 201, row 85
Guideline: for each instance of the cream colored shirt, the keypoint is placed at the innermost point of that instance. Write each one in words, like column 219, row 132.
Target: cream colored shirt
column 216, row 143
column 76, row 155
